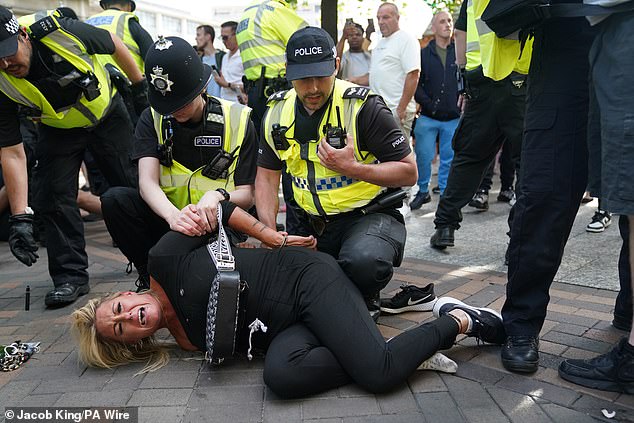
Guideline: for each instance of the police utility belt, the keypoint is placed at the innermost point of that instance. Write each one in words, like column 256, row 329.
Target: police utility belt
column 266, row 86
column 218, row 166
column 387, row 200
column 226, row 308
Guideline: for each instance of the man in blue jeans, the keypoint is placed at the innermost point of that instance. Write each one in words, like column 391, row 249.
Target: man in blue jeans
column 437, row 95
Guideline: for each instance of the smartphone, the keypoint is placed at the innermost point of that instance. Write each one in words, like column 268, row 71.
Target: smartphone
column 214, row 71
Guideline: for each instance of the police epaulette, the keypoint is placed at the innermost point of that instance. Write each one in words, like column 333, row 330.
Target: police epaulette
column 356, row 92
column 43, row 27
column 278, row 96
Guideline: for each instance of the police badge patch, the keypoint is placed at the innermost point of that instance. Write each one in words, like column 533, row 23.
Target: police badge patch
column 159, row 81
column 162, row 43
column 356, row 92
column 208, row 141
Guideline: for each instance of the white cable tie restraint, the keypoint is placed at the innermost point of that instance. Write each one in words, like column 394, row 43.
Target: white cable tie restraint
column 255, row 326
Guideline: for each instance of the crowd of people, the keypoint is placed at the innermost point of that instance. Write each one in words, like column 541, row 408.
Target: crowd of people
column 180, row 140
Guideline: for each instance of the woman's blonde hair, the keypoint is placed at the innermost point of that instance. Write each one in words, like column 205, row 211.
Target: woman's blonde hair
column 97, row 351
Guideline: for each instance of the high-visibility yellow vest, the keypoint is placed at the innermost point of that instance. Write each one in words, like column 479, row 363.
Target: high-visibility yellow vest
column 184, row 186
column 317, row 189
column 117, row 22
column 262, row 34
column 497, row 56
column 82, row 114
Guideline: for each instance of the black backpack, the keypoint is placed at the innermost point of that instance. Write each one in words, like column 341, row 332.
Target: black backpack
column 506, row 17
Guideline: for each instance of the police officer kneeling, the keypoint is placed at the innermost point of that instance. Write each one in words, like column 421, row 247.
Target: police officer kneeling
column 193, row 151
column 340, row 181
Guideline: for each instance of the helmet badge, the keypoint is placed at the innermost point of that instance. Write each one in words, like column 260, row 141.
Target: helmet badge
column 160, row 82
column 163, row 43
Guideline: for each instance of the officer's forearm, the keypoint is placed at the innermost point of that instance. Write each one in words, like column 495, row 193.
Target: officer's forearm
column 150, row 190
column 461, row 47
column 247, row 224
column 15, row 176
column 242, row 196
column 124, row 60
column 388, row 174
column 267, row 183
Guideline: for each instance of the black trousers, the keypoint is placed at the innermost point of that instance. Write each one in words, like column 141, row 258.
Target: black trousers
column 133, row 225
column 367, row 247
column 61, row 153
column 507, row 171
column 554, row 170
column 494, row 112
column 623, row 305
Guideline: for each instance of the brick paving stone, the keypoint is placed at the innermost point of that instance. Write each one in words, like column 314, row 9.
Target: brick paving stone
column 160, row 397
column 439, row 407
column 352, row 390
column 481, row 374
column 161, row 414
column 552, row 376
column 389, row 418
column 570, row 329
column 609, row 336
column 400, row 400
column 562, row 414
column 528, row 386
column 579, row 353
column 577, row 341
column 169, row 380
column 69, row 385
column 591, row 405
column 608, row 301
column 339, row 407
column 474, row 401
column 233, row 378
column 574, row 319
column 518, row 407
column 116, row 398
column 282, row 411
column 586, row 305
column 226, row 395
column 551, row 347
column 426, row 381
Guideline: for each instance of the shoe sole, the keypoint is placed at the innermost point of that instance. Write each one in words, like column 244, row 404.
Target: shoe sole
column 479, row 208
column 520, row 367
column 426, row 306
column 59, row 301
column 595, row 231
column 441, row 244
column 603, row 385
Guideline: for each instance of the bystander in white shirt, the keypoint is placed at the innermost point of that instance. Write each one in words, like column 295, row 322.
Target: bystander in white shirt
column 232, row 70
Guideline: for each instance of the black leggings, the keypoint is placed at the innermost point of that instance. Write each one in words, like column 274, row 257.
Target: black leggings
column 334, row 341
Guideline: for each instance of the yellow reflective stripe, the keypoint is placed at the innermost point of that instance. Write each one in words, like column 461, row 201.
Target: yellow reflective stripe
column 482, row 27
column 270, row 60
column 260, row 43
column 12, row 92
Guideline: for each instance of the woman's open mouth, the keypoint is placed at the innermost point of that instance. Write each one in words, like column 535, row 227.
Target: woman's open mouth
column 142, row 320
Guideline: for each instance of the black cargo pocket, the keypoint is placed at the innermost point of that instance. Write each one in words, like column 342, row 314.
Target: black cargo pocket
column 538, row 151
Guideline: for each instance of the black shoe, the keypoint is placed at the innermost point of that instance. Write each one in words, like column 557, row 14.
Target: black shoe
column 506, row 195
column 410, row 298
column 65, row 294
column 373, row 303
column 420, row 199
column 442, row 238
column 521, row 354
column 486, row 324
column 142, row 283
column 436, row 190
column 622, row 322
column 613, row 371
column 480, row 201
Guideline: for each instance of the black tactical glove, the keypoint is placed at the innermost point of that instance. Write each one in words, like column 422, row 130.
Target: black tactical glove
column 21, row 239
column 139, row 96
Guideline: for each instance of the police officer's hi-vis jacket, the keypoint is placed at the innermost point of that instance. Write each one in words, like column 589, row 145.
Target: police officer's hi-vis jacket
column 499, row 57
column 84, row 113
column 317, row 189
column 184, row 186
column 117, row 22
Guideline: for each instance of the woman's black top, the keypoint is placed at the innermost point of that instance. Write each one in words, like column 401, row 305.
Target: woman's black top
column 182, row 266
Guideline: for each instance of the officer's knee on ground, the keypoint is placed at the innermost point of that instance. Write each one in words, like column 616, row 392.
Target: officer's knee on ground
column 368, row 272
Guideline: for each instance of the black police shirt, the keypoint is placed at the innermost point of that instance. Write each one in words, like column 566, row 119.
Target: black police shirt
column 45, row 72
column 186, row 153
column 378, row 133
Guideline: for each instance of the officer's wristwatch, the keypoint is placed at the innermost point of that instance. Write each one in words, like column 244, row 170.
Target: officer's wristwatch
column 224, row 193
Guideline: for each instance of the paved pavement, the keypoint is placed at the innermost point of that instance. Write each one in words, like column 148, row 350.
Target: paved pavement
column 482, row 391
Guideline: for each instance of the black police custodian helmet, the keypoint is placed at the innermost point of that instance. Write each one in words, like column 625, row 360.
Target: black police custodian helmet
column 175, row 74
column 105, row 4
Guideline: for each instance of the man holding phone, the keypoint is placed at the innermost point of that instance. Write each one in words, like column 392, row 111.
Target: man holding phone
column 193, row 150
